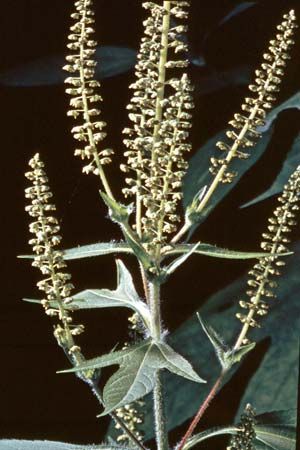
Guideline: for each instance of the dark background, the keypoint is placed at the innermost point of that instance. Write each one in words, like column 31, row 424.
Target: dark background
column 35, row 402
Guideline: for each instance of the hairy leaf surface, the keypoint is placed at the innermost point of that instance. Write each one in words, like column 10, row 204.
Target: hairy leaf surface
column 98, row 249
column 213, row 251
column 138, row 367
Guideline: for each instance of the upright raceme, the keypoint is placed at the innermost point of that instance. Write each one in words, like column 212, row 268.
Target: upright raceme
column 56, row 283
column 160, row 114
column 244, row 133
column 84, row 89
column 261, row 281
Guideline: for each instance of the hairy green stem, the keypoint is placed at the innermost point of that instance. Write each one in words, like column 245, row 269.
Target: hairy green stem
column 159, row 413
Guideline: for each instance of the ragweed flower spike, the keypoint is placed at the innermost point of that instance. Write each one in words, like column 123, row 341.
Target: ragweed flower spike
column 244, row 438
column 56, row 283
column 84, row 91
column 244, row 133
column 261, row 281
column 160, row 114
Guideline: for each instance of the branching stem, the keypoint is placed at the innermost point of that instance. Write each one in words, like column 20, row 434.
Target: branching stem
column 202, row 410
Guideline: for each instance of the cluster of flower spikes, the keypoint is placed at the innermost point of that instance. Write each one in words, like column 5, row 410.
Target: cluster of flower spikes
column 261, row 282
column 56, row 285
column 244, row 131
column 244, row 438
column 83, row 89
column 160, row 114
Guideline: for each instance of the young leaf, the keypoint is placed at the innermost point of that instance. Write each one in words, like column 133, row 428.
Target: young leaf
column 98, row 249
column 198, row 176
column 124, row 296
column 226, row 356
column 213, row 251
column 136, row 375
column 168, row 270
column 217, row 342
column 288, row 167
column 119, row 213
column 273, row 385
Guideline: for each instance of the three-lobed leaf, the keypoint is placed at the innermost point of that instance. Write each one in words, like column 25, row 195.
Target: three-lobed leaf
column 137, row 372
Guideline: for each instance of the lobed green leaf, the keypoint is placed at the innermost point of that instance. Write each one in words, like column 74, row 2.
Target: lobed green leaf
column 137, row 373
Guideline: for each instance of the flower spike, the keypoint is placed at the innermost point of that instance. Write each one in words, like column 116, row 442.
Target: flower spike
column 56, row 284
column 261, row 281
column 160, row 114
column 83, row 90
column 244, row 132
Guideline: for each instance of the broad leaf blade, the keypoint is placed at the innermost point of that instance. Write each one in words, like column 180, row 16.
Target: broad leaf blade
column 175, row 363
column 138, row 367
column 276, row 437
column 288, row 167
column 137, row 374
column 48, row 71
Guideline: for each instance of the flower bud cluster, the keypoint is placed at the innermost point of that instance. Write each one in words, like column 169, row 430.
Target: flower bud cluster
column 160, row 114
column 261, row 281
column 244, row 133
column 56, row 283
column 244, row 439
column 132, row 416
column 83, row 89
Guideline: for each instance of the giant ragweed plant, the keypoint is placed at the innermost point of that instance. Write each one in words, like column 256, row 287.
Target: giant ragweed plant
column 156, row 142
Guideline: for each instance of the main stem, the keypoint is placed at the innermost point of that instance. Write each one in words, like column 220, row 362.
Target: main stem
column 159, row 409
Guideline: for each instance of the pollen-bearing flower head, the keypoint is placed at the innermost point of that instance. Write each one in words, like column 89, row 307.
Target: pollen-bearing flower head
column 56, row 283
column 261, row 277
column 244, row 133
column 160, row 114
column 83, row 89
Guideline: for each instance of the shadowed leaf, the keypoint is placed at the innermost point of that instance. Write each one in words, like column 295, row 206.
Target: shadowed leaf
column 288, row 167
column 48, row 71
